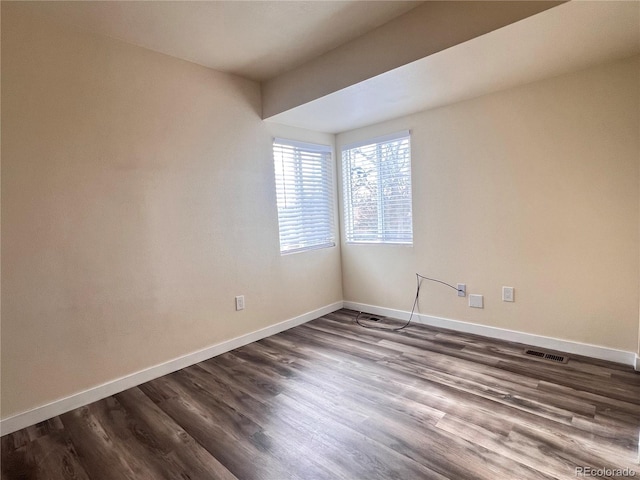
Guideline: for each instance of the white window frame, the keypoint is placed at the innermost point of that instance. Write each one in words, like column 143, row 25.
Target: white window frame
column 304, row 194
column 391, row 205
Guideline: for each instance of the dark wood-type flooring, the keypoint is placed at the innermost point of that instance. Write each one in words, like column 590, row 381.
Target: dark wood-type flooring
column 332, row 400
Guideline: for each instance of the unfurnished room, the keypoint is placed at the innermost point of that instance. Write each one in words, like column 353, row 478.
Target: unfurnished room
column 320, row 240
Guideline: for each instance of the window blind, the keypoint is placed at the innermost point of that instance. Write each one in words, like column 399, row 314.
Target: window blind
column 377, row 190
column 304, row 189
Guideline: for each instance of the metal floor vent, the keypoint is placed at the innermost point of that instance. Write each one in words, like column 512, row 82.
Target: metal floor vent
column 547, row 356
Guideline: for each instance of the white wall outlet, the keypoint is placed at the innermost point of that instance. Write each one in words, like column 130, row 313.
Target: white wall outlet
column 476, row 301
column 240, row 302
column 462, row 290
column 508, row 294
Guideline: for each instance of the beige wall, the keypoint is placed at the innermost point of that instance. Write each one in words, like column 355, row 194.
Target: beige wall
column 137, row 200
column 535, row 188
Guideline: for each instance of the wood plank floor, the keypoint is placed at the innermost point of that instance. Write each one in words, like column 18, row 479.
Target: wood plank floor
column 332, row 400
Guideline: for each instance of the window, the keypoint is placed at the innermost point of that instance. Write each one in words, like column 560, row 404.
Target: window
column 377, row 190
column 304, row 189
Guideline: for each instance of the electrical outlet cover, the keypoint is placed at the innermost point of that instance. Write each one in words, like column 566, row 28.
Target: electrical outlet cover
column 508, row 294
column 240, row 302
column 476, row 301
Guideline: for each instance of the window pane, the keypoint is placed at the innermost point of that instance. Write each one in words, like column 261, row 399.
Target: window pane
column 377, row 190
column 304, row 192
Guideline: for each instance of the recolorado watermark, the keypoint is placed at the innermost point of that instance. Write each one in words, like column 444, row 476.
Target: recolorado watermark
column 605, row 472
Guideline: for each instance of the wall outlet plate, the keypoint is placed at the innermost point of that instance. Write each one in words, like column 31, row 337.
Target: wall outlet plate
column 476, row 301
column 508, row 294
column 462, row 290
column 240, row 302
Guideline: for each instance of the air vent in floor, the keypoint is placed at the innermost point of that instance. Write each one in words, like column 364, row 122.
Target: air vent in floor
column 547, row 356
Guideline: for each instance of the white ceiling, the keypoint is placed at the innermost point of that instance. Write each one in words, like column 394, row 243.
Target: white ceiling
column 565, row 38
column 254, row 39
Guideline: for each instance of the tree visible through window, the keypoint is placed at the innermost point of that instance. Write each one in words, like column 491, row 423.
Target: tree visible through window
column 304, row 189
column 377, row 190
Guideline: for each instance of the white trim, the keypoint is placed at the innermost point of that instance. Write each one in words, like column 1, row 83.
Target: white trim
column 63, row 405
column 568, row 346
column 637, row 367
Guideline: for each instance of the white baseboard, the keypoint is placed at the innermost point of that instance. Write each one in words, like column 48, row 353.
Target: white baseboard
column 63, row 405
column 567, row 346
column 637, row 367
